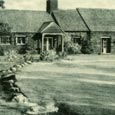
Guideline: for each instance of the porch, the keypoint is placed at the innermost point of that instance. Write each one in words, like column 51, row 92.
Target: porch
column 52, row 38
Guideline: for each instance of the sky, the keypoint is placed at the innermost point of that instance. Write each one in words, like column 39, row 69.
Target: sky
column 63, row 4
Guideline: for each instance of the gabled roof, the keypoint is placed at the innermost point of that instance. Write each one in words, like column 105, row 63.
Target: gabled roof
column 69, row 20
column 98, row 19
column 24, row 20
column 50, row 27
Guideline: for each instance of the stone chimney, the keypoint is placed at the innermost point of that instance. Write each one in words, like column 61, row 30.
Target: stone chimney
column 51, row 5
column 2, row 4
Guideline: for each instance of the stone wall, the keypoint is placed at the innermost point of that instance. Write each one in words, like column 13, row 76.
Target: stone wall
column 97, row 41
column 83, row 35
column 13, row 46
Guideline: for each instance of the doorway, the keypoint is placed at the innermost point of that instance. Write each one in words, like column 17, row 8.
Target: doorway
column 106, row 45
column 48, row 43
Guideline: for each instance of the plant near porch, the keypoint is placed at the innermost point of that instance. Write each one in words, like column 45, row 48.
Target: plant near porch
column 87, row 47
column 72, row 48
column 48, row 55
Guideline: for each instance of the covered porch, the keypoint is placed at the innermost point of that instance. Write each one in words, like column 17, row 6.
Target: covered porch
column 52, row 38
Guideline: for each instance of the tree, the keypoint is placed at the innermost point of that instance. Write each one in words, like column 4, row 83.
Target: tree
column 5, row 28
column 2, row 4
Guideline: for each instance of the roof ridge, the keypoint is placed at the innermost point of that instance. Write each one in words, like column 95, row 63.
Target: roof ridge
column 77, row 10
column 64, row 10
column 96, row 8
column 22, row 10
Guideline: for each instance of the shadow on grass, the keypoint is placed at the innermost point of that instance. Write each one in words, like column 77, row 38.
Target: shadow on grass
column 66, row 109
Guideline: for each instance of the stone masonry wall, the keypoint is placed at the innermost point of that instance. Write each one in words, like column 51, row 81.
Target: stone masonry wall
column 97, row 41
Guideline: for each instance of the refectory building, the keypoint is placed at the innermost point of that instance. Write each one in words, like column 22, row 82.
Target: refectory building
column 50, row 29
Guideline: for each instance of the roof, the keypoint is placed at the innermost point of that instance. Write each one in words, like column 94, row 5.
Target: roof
column 69, row 20
column 50, row 27
column 24, row 20
column 99, row 19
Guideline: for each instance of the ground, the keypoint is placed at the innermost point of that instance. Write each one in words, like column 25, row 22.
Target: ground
column 84, row 84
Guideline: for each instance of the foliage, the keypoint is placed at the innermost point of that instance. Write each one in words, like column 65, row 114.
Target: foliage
column 87, row 47
column 48, row 55
column 72, row 48
column 24, row 49
column 62, row 54
column 5, row 28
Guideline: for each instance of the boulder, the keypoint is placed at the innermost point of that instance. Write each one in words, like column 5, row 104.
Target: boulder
column 13, row 69
column 29, row 62
column 8, row 77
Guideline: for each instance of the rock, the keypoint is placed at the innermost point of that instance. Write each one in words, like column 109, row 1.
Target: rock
column 35, row 110
column 9, row 77
column 51, row 107
column 22, row 65
column 13, row 69
column 12, row 89
column 20, row 98
column 29, row 62
column 9, row 71
column 18, row 66
column 25, row 63
column 3, row 73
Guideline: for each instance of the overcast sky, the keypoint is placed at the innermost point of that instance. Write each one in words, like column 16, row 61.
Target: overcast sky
column 63, row 4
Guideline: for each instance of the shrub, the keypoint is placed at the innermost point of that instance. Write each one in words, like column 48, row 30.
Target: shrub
column 62, row 54
column 87, row 48
column 24, row 49
column 72, row 48
column 48, row 55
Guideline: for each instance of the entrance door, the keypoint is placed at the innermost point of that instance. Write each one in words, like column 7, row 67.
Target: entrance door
column 48, row 43
column 106, row 45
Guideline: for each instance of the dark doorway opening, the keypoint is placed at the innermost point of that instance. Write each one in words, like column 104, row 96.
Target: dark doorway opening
column 106, row 45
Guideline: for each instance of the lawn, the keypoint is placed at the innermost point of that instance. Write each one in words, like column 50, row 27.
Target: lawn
column 79, row 85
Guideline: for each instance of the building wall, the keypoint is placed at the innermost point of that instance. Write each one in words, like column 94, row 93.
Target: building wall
column 96, row 41
column 83, row 35
column 29, row 37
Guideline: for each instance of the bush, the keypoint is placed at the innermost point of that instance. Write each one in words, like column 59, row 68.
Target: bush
column 72, row 48
column 24, row 49
column 87, row 48
column 1, row 51
column 48, row 55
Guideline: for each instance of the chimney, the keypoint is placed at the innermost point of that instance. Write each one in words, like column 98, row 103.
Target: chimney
column 51, row 5
column 2, row 4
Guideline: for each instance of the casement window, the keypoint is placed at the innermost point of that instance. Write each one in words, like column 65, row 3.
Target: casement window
column 76, row 39
column 5, row 40
column 20, row 40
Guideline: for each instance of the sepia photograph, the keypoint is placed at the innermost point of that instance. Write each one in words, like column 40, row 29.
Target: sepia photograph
column 57, row 57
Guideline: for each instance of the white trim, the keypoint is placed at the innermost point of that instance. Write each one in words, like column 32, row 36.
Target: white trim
column 49, row 26
column 46, row 27
column 108, row 37
column 53, row 33
column 5, row 44
column 18, row 37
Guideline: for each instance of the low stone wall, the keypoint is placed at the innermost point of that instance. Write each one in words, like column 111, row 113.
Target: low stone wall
column 14, row 94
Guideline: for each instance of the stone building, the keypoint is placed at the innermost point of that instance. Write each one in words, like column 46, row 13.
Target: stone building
column 50, row 29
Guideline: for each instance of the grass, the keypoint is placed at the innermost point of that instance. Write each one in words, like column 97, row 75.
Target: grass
column 84, row 85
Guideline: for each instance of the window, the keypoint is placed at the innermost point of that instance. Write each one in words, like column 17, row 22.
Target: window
column 5, row 40
column 20, row 40
column 76, row 39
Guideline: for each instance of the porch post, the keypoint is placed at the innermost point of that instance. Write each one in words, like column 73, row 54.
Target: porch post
column 42, row 42
column 47, row 44
column 62, row 43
